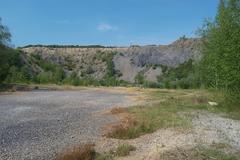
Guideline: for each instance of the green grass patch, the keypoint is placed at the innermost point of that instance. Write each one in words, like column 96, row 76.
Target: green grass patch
column 121, row 151
column 171, row 109
column 104, row 156
column 198, row 99
column 124, row 150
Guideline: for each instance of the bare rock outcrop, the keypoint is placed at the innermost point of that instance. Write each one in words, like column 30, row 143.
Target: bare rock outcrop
column 128, row 61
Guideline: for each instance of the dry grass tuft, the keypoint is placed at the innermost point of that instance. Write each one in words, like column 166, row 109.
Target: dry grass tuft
column 127, row 121
column 200, row 99
column 120, row 130
column 84, row 152
column 118, row 110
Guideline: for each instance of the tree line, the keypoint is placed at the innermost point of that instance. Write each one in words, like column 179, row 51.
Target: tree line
column 68, row 46
column 220, row 65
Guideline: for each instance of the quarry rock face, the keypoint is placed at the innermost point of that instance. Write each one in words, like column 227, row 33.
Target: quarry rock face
column 128, row 61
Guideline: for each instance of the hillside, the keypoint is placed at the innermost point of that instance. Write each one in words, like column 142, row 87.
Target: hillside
column 124, row 63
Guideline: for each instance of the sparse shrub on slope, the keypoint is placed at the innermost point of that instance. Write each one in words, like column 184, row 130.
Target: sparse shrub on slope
column 52, row 73
column 12, row 68
column 184, row 76
column 139, row 78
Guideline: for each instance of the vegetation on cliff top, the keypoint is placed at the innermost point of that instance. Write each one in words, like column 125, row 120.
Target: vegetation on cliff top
column 68, row 46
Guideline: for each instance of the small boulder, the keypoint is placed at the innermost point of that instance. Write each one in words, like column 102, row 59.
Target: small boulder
column 213, row 103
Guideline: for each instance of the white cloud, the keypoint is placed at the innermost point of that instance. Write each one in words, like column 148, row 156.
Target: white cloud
column 106, row 27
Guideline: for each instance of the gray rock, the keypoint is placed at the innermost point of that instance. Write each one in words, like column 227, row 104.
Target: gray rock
column 129, row 61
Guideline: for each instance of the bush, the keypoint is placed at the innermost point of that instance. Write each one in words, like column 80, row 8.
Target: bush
column 44, row 77
column 139, row 78
column 124, row 150
column 9, row 58
column 85, row 152
column 185, row 76
column 59, row 75
column 149, row 84
column 107, row 57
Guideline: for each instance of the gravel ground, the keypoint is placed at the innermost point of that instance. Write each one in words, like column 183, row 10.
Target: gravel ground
column 208, row 129
column 226, row 130
column 38, row 124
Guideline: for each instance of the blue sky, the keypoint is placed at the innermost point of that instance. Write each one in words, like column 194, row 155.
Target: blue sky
column 104, row 22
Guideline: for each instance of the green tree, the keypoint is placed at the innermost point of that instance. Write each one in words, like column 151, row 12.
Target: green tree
column 25, row 73
column 45, row 77
column 8, row 57
column 220, row 67
column 139, row 78
column 59, row 74
column 16, row 75
column 5, row 35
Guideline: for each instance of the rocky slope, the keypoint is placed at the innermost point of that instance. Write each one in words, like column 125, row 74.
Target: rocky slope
column 127, row 61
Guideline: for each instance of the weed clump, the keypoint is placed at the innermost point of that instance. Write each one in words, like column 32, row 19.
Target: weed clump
column 84, row 152
column 124, row 150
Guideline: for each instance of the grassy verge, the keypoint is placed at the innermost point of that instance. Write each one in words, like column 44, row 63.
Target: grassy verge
column 121, row 151
column 167, row 110
column 214, row 151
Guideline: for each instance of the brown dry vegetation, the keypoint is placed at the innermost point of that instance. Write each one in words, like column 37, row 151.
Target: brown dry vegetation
column 127, row 121
column 117, row 110
column 87, row 152
column 83, row 152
